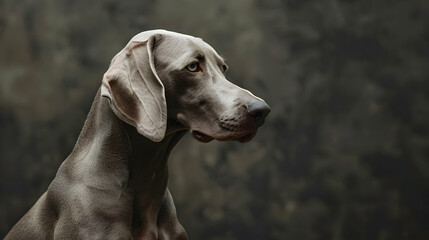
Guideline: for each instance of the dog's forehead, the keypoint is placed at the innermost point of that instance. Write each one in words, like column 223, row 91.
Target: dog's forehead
column 177, row 50
column 186, row 44
column 179, row 39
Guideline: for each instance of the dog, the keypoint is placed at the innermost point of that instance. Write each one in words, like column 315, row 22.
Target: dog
column 113, row 185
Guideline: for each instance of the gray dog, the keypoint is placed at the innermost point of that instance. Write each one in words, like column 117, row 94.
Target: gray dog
column 114, row 183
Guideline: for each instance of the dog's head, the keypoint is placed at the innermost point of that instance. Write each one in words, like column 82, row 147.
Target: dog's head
column 159, row 68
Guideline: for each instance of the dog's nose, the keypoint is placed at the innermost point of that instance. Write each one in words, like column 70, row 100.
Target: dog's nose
column 259, row 110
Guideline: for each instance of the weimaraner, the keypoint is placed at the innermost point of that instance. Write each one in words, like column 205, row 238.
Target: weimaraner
column 114, row 183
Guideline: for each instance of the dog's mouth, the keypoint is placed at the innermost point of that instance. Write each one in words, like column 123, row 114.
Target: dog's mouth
column 201, row 136
column 207, row 132
column 242, row 138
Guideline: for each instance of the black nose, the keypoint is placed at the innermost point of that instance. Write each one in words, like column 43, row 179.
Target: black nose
column 259, row 110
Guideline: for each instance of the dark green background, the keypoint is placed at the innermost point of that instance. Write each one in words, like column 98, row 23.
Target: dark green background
column 343, row 155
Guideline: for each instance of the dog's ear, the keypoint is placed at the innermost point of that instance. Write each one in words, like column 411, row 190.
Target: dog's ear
column 135, row 91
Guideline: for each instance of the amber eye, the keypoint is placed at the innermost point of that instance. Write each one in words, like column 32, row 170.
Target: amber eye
column 193, row 67
column 224, row 68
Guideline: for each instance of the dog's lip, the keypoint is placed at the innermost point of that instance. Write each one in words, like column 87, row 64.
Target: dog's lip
column 201, row 136
column 242, row 138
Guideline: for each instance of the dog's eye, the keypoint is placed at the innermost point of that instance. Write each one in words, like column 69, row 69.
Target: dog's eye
column 193, row 67
column 224, row 68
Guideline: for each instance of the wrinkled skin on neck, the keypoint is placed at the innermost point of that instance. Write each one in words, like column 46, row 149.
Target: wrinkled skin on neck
column 112, row 186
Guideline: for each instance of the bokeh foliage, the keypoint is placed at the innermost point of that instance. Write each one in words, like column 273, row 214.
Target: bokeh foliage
column 343, row 155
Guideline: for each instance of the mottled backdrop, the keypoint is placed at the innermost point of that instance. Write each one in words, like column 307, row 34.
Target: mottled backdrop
column 343, row 155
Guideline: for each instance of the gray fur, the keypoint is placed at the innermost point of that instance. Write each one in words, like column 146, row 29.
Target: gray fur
column 114, row 183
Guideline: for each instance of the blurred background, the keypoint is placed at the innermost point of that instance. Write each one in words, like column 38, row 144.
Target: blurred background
column 343, row 155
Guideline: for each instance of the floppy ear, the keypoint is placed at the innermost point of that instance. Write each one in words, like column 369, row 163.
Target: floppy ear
column 135, row 91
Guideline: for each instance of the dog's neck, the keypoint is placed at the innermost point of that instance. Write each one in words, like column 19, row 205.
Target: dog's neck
column 126, row 163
